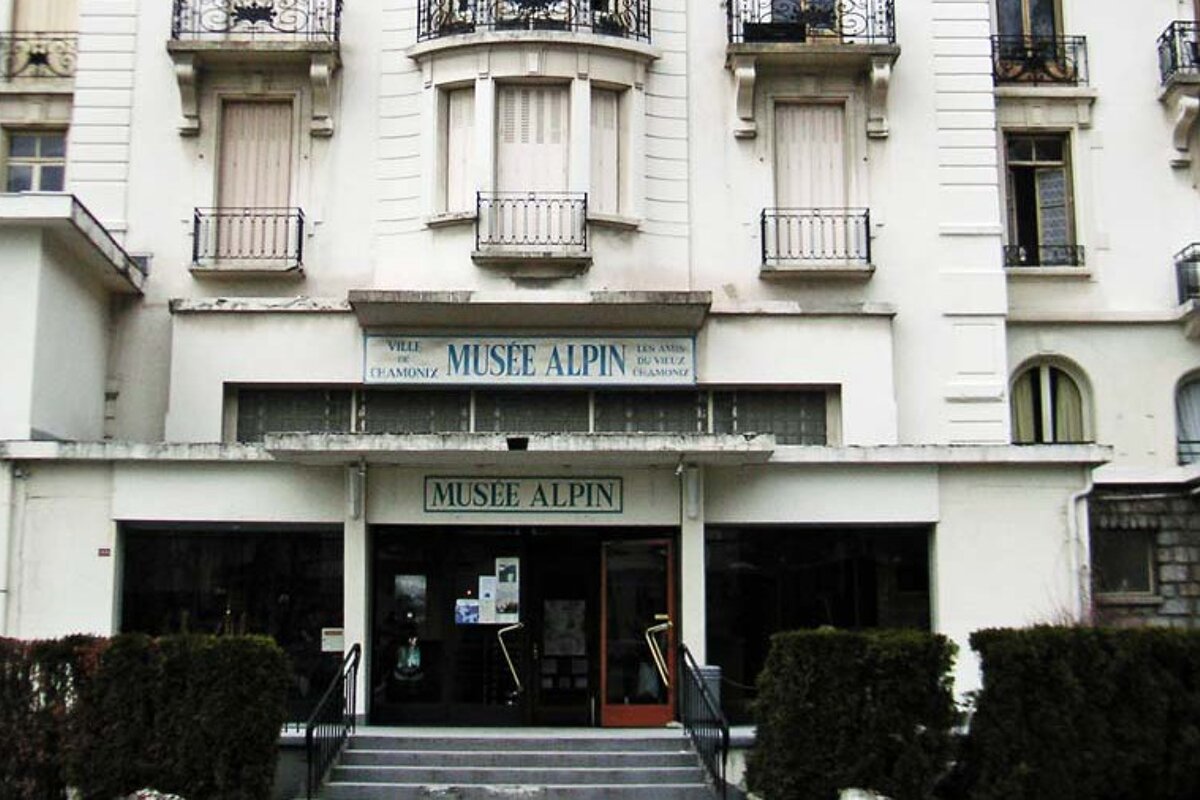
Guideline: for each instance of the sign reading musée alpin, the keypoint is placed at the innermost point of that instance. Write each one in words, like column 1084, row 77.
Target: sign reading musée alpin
column 530, row 360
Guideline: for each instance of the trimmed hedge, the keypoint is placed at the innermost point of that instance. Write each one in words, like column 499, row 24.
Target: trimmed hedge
column 838, row 709
column 195, row 715
column 1086, row 714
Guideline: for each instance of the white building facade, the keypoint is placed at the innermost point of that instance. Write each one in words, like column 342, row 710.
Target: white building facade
column 522, row 342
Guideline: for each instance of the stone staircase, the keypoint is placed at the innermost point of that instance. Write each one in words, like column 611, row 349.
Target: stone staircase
column 532, row 764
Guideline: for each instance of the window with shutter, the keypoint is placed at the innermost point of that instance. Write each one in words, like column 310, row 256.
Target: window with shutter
column 460, row 145
column 605, row 194
column 42, row 16
column 810, row 155
column 254, row 180
column 531, row 148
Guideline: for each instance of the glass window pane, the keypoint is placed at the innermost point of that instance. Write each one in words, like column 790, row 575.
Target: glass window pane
column 262, row 411
column 1042, row 18
column 531, row 412
column 1020, row 148
column 51, row 179
column 416, row 411
column 22, row 145
column 794, row 417
column 1049, row 148
column 53, row 145
column 650, row 412
column 1052, row 207
column 20, row 178
column 1010, row 18
column 1121, row 560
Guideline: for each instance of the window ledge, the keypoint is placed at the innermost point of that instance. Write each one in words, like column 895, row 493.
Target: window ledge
column 1049, row 272
column 615, row 221
column 534, row 264
column 817, row 270
column 449, row 218
column 246, row 270
column 1128, row 599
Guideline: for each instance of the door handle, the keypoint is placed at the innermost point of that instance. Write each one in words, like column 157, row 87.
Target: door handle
column 508, row 658
column 656, row 653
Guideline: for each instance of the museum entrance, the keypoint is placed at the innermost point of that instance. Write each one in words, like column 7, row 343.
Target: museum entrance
column 522, row 626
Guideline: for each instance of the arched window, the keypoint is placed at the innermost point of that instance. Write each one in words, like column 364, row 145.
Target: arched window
column 1047, row 407
column 1187, row 417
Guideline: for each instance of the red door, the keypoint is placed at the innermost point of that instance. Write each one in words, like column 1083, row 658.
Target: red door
column 637, row 639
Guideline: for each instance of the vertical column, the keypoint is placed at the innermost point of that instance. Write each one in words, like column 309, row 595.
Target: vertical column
column 354, row 575
column 579, row 171
column 485, row 132
column 692, row 621
column 6, row 519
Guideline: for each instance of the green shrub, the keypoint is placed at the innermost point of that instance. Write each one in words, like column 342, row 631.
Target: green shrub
column 1086, row 714
column 837, row 709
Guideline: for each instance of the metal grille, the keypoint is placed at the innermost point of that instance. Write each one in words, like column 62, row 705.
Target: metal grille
column 838, row 21
column 1040, row 59
column 292, row 411
column 816, row 234
column 531, row 412
column 651, row 412
column 794, row 417
column 248, row 234
column 415, row 412
column 1187, row 272
column 629, row 19
column 1179, row 50
column 554, row 221
column 312, row 20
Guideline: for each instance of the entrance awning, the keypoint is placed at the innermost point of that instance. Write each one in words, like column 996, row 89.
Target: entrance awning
column 630, row 450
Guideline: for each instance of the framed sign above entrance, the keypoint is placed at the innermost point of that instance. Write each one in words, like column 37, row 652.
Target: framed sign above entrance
column 530, row 360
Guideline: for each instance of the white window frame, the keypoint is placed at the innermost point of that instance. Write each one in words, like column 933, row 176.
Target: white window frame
column 1072, row 190
column 37, row 162
column 1048, row 420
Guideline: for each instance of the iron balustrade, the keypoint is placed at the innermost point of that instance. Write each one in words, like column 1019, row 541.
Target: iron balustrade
column 38, row 55
column 701, row 716
column 1187, row 272
column 836, row 21
column 816, row 234
column 1046, row 255
column 628, row 19
column 555, row 222
column 287, row 20
column 1189, row 451
column 1179, row 50
column 1040, row 59
column 248, row 234
column 332, row 721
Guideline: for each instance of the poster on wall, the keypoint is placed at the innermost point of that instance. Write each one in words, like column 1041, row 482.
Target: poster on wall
column 466, row 611
column 487, row 599
column 508, row 590
column 408, row 592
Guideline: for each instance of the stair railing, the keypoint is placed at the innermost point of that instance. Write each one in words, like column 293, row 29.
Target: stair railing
column 702, row 719
column 332, row 721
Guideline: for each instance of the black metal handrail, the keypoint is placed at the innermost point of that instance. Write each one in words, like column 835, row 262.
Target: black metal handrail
column 1187, row 272
column 307, row 20
column 1046, row 255
column 815, row 234
column 38, row 55
column 1179, row 50
column 248, row 234
column 834, row 21
column 332, row 721
column 1040, row 59
column 701, row 717
column 1189, row 451
column 628, row 19
column 554, row 221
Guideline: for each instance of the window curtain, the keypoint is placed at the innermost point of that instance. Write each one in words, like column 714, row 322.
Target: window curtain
column 1187, row 413
column 1024, row 419
column 1068, row 408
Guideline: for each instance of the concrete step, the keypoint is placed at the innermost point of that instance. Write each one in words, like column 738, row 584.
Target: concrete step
column 646, row 759
column 488, row 776
column 416, row 791
column 671, row 743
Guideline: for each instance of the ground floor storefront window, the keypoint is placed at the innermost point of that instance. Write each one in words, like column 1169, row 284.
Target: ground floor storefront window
column 283, row 583
column 763, row 580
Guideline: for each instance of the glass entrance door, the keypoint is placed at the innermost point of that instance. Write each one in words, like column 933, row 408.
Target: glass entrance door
column 637, row 633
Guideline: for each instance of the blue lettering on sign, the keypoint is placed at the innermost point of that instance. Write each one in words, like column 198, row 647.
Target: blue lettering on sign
column 586, row 360
column 511, row 360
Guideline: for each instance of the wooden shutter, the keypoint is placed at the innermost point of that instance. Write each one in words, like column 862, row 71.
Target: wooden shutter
column 810, row 155
column 54, row 16
column 605, row 194
column 460, row 149
column 532, row 138
column 256, row 155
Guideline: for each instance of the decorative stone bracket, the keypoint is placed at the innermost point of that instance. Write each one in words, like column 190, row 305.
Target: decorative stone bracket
column 191, row 59
column 745, row 62
column 1181, row 96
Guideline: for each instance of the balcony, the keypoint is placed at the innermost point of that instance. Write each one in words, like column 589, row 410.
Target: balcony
column 1018, row 256
column 626, row 19
column 1179, row 69
column 1034, row 60
column 247, row 241
column 37, row 55
column 263, row 34
column 816, row 242
column 1187, row 272
column 817, row 37
column 532, row 234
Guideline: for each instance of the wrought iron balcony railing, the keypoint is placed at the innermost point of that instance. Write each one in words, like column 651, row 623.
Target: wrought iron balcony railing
column 1187, row 272
column 1040, row 59
column 1046, row 255
column 38, row 55
column 267, row 236
column 835, row 21
column 808, row 235
column 629, row 19
column 276, row 20
column 1189, row 451
column 1179, row 50
column 554, row 222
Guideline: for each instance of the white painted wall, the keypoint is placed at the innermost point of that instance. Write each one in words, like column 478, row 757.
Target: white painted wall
column 20, row 252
